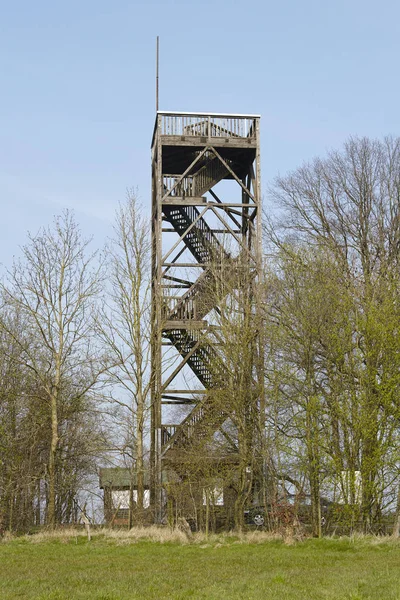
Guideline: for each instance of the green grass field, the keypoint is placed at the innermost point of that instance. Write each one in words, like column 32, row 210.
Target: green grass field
column 113, row 568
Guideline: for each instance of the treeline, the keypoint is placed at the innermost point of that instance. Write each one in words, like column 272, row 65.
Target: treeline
column 50, row 366
column 74, row 332
column 333, row 317
column 70, row 331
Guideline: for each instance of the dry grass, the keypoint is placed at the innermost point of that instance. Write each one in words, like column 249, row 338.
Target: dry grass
column 160, row 534
column 368, row 539
column 164, row 534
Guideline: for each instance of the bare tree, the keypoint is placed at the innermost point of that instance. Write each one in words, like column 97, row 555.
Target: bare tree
column 125, row 330
column 54, row 288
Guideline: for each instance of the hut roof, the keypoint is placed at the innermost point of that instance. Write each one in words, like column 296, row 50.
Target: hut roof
column 119, row 478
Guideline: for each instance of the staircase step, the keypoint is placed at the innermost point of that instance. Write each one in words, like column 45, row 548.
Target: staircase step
column 212, row 286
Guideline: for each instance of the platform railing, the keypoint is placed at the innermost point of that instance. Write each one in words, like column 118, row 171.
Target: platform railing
column 211, row 126
column 167, row 431
column 184, row 188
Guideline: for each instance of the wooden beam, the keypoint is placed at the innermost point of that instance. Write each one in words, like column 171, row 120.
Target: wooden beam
column 217, row 154
column 239, row 241
column 177, row 255
column 180, row 366
column 189, row 324
column 199, row 141
column 185, row 201
column 181, row 178
column 177, row 400
column 174, row 264
column 214, row 195
column 179, row 280
column 184, row 234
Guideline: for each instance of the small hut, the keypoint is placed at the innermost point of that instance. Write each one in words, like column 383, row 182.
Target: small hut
column 120, row 494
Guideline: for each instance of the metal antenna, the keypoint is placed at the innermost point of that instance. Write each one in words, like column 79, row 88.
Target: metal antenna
column 157, row 69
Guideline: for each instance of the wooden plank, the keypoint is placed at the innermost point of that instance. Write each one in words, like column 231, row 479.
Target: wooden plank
column 175, row 264
column 182, row 140
column 185, row 201
column 189, row 324
column 218, row 115
column 228, row 205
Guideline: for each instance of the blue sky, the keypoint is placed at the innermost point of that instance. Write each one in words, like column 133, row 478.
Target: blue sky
column 77, row 94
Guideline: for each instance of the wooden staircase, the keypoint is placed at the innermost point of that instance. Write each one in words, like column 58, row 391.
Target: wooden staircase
column 217, row 280
column 211, row 172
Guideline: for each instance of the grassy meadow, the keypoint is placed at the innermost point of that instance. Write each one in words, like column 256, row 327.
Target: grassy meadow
column 159, row 564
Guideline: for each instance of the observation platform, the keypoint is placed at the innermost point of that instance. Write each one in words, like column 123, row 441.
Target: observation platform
column 183, row 134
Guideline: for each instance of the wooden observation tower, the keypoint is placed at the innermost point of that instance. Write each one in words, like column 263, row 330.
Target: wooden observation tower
column 206, row 239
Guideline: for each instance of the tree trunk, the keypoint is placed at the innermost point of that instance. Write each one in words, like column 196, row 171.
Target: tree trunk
column 131, row 507
column 51, row 507
column 313, row 464
column 207, row 492
column 139, row 456
column 396, row 524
